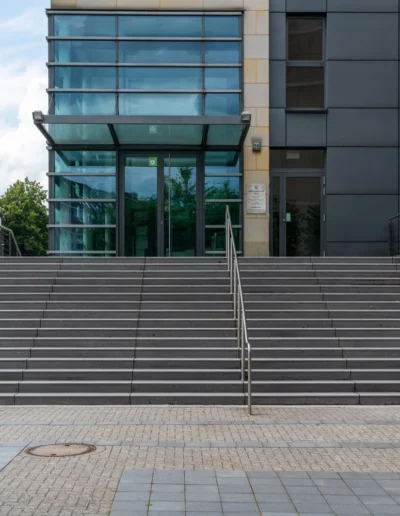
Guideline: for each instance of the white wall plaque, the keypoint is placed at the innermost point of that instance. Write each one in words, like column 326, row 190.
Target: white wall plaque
column 256, row 199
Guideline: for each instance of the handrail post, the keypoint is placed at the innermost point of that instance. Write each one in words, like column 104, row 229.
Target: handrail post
column 243, row 356
column 239, row 320
column 249, row 387
column 234, row 294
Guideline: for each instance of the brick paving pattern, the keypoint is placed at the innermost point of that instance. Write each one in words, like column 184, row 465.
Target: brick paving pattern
column 309, row 441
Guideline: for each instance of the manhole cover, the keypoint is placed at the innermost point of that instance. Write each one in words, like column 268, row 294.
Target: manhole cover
column 61, row 450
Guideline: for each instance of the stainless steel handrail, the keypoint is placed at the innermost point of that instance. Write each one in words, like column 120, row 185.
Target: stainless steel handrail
column 11, row 239
column 238, row 306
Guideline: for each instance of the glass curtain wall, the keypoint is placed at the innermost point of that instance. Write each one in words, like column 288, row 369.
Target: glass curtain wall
column 84, row 202
column 222, row 187
column 166, row 64
column 195, row 69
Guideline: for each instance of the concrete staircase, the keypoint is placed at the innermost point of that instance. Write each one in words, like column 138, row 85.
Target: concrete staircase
column 117, row 331
column 324, row 330
column 158, row 330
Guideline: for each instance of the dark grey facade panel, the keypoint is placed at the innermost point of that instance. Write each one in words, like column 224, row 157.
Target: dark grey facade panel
column 367, row 6
column 277, row 6
column 364, row 84
column 357, row 249
column 362, row 218
column 363, row 127
column 305, row 130
column 370, row 170
column 277, row 42
column 277, row 122
column 277, row 84
column 363, row 36
column 306, row 6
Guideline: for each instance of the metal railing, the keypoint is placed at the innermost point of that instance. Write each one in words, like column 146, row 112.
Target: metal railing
column 244, row 346
column 394, row 235
column 8, row 243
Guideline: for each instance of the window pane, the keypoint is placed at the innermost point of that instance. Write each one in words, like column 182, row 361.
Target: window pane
column 167, row 52
column 225, row 134
column 94, row 162
column 222, row 78
column 85, row 213
column 305, row 39
column 160, row 134
column 297, row 158
column 85, row 187
column 216, row 240
column 160, row 104
column 80, row 133
column 222, row 52
column 305, row 87
column 92, row 77
column 223, row 26
column 222, row 162
column 215, row 213
column 222, row 104
column 222, row 187
column 85, row 51
column 85, row 103
column 160, row 26
column 84, row 239
column 146, row 78
column 78, row 25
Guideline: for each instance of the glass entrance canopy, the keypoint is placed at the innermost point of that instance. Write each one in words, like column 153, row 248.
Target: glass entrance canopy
column 204, row 132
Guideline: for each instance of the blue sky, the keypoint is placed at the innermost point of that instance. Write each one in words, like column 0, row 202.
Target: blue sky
column 23, row 79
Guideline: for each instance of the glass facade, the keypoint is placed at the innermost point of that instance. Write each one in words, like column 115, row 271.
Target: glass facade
column 209, row 66
column 125, row 199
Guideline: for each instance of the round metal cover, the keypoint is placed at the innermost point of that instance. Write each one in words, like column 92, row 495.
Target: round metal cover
column 61, row 450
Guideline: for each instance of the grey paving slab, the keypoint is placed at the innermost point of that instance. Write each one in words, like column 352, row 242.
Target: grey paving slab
column 208, row 492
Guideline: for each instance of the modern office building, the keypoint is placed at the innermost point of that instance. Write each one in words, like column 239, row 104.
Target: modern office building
column 162, row 112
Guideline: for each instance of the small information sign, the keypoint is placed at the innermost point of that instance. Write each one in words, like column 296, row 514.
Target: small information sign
column 152, row 162
column 256, row 199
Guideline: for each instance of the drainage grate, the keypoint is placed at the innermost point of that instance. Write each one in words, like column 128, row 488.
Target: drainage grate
column 61, row 450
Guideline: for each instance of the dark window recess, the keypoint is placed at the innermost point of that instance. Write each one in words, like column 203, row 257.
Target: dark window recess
column 297, row 158
column 305, row 72
column 305, row 87
column 305, row 39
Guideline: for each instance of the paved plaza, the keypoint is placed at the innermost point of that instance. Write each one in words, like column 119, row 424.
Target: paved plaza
column 202, row 461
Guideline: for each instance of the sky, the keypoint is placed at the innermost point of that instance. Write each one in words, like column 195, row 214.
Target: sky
column 23, row 82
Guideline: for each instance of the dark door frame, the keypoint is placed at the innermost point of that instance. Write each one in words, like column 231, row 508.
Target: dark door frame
column 283, row 174
column 161, row 155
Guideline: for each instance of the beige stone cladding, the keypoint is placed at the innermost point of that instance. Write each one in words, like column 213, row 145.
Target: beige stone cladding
column 256, row 91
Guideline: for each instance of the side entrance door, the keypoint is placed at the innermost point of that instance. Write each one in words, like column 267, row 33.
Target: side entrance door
column 160, row 204
column 297, row 213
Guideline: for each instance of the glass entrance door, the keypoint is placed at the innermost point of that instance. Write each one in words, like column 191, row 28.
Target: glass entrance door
column 180, row 206
column 160, row 205
column 296, row 215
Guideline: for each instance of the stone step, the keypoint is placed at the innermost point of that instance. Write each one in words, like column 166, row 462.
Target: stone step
column 119, row 352
column 75, row 386
column 125, row 386
column 296, row 374
column 380, row 398
column 92, row 374
column 193, row 398
column 375, row 373
column 301, row 398
column 110, row 398
column 311, row 386
column 363, row 386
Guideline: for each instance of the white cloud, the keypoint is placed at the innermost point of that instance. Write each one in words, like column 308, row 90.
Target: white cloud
column 23, row 80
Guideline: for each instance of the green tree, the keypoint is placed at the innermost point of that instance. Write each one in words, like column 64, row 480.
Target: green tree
column 24, row 211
